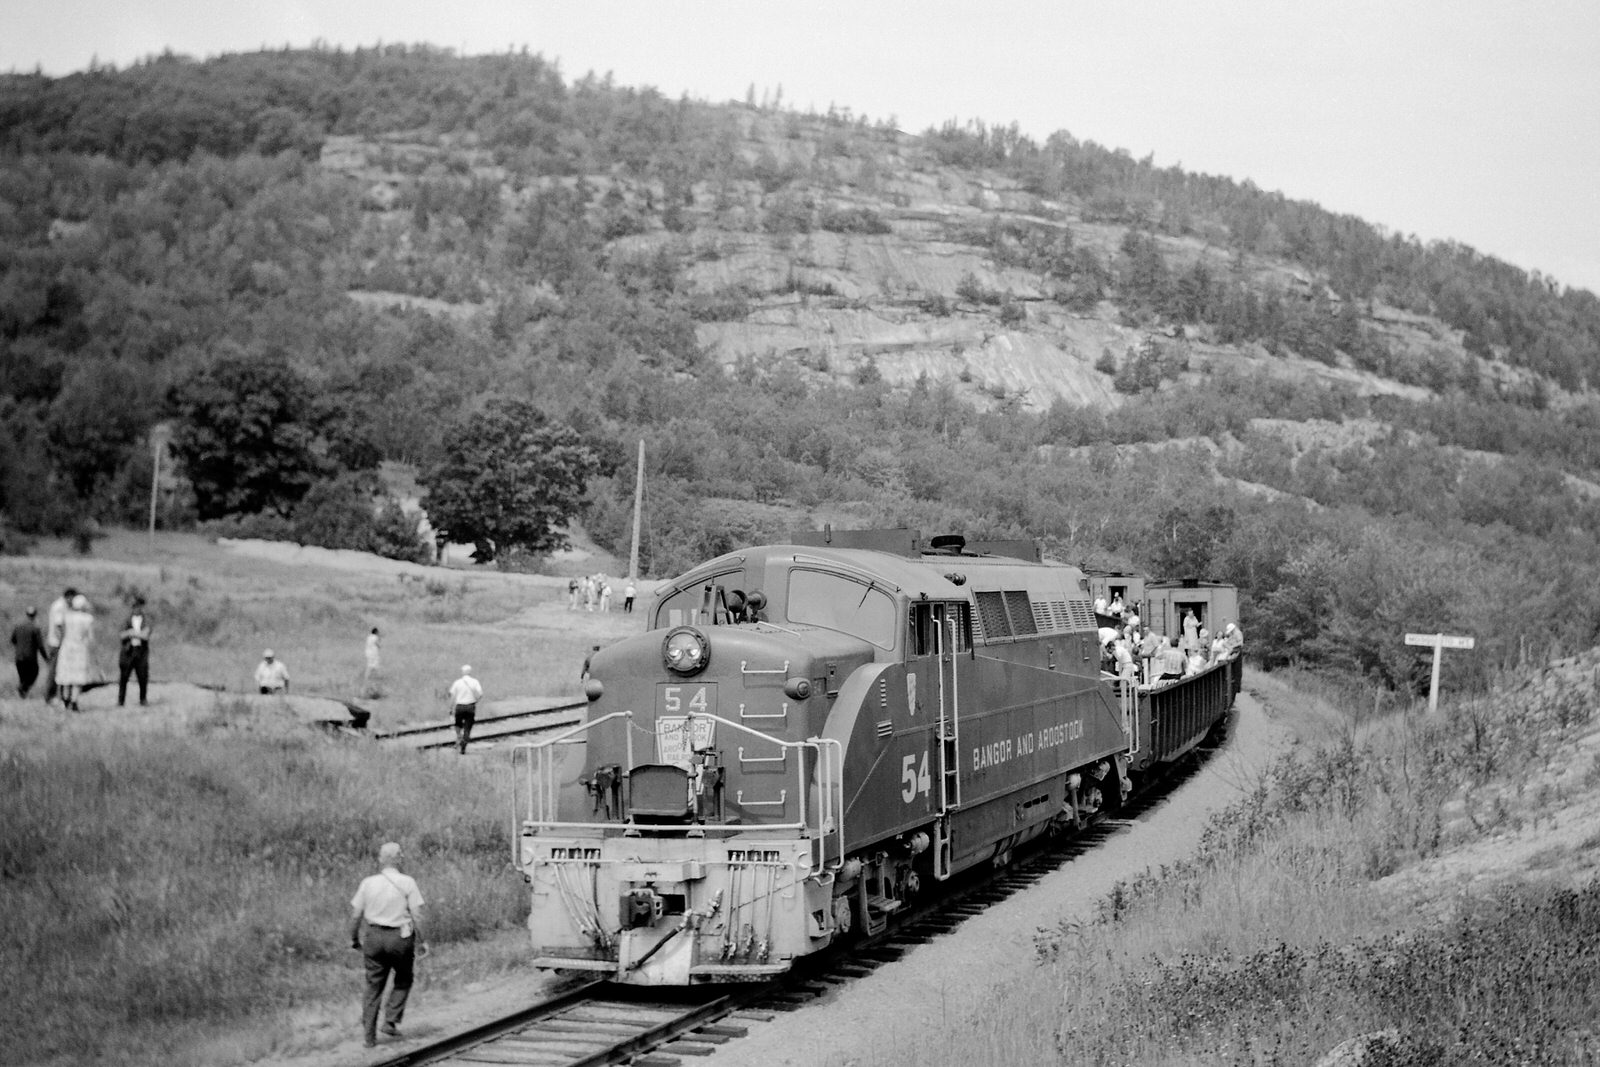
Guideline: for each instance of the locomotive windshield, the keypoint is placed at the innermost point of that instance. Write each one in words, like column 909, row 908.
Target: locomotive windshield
column 837, row 602
column 688, row 605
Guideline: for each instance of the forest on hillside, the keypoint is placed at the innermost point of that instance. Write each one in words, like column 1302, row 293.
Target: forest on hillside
column 179, row 258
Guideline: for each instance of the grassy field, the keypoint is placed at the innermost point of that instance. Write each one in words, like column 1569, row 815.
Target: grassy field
column 216, row 609
column 175, row 879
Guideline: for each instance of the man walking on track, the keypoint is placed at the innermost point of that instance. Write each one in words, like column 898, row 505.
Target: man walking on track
column 388, row 905
column 465, row 692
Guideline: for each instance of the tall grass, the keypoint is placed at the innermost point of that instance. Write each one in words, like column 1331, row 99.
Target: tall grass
column 1284, row 935
column 160, row 879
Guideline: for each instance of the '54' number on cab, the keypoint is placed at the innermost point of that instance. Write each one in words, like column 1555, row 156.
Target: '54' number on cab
column 915, row 780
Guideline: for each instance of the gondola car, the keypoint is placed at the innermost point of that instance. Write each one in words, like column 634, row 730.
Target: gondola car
column 810, row 736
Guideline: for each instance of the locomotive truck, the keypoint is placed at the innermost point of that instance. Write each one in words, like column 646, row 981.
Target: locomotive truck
column 810, row 736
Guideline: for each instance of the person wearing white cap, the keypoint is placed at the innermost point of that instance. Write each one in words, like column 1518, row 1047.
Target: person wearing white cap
column 271, row 674
column 465, row 692
column 1234, row 636
column 389, row 905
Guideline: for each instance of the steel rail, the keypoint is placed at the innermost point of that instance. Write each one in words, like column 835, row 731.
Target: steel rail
column 473, row 1036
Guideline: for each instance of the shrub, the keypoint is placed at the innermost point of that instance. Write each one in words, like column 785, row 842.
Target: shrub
column 970, row 289
column 264, row 525
column 787, row 213
column 396, row 534
column 854, row 220
column 724, row 305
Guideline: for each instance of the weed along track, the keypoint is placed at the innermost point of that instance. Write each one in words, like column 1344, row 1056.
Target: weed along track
column 599, row 1022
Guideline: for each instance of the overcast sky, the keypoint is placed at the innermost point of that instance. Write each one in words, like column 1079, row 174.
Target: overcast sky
column 1470, row 120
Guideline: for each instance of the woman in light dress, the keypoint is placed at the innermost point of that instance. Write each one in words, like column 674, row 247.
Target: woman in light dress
column 373, row 657
column 72, row 661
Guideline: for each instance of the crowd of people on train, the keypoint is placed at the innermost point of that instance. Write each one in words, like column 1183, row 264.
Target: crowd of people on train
column 1134, row 652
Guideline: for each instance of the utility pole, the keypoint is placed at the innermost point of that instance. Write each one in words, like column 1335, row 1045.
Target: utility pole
column 158, row 440
column 638, row 513
column 1437, row 642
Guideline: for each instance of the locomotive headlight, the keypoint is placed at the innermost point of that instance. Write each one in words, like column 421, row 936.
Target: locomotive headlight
column 686, row 651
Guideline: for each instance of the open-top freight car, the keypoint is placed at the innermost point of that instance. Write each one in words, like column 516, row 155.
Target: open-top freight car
column 809, row 736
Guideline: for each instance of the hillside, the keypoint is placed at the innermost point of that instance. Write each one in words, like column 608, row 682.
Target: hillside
column 802, row 316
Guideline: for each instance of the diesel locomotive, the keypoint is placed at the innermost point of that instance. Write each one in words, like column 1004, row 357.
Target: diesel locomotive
column 810, row 736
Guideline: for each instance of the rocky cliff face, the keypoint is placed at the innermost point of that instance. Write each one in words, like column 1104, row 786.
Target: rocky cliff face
column 927, row 298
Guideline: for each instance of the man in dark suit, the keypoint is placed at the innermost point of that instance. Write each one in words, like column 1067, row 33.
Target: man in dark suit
column 27, row 648
column 134, row 658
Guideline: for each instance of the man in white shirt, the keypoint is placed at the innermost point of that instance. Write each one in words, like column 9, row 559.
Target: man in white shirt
column 388, row 904
column 1234, row 636
column 465, row 692
column 271, row 675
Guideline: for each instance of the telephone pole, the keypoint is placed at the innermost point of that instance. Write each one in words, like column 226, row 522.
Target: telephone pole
column 638, row 513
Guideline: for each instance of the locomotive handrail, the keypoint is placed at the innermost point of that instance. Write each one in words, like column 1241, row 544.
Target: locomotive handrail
column 543, row 787
column 1128, row 697
column 743, row 803
column 744, row 668
column 782, row 757
column 541, row 757
column 783, row 713
column 830, row 815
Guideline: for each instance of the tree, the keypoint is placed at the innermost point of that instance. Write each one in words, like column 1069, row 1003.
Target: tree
column 95, row 422
column 1186, row 543
column 243, row 438
column 508, row 479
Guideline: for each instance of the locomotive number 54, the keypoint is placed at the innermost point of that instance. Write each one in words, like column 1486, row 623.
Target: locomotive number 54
column 916, row 781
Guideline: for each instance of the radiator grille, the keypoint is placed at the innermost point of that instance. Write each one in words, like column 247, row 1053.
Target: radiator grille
column 1020, row 612
column 992, row 616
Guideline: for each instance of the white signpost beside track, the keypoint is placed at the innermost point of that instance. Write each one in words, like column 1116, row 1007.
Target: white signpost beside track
column 1437, row 642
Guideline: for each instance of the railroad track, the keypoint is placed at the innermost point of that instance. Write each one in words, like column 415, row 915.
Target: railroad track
column 593, row 1023
column 507, row 718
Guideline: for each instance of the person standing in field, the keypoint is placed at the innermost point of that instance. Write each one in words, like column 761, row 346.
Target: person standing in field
column 605, row 596
column 72, row 658
column 374, row 658
column 27, row 649
column 55, row 622
column 628, row 593
column 465, row 692
column 572, row 594
column 388, row 906
column 133, row 659
column 272, row 676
